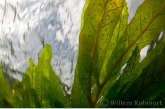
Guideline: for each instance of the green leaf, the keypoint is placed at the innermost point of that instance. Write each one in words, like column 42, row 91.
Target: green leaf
column 47, row 84
column 6, row 92
column 127, row 77
column 141, row 31
column 42, row 76
column 117, row 33
column 102, row 53
column 78, row 97
column 83, row 12
column 149, row 86
column 27, row 90
column 18, row 94
column 55, row 94
column 40, row 86
column 30, row 72
column 4, row 103
column 27, row 93
column 132, row 71
column 100, row 18
column 144, row 63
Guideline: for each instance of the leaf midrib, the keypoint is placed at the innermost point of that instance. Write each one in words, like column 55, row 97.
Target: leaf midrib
column 92, row 55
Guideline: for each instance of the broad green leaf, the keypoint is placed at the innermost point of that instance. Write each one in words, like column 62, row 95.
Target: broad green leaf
column 136, row 71
column 25, row 91
column 83, row 11
column 18, row 93
column 55, row 94
column 40, row 86
column 132, row 72
column 141, row 31
column 4, row 103
column 78, row 98
column 6, row 92
column 126, row 77
column 47, row 84
column 146, row 61
column 30, row 72
column 100, row 18
column 42, row 76
column 117, row 33
column 28, row 93
column 25, row 95
column 149, row 86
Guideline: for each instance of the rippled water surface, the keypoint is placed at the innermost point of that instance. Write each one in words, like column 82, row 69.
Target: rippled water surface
column 27, row 25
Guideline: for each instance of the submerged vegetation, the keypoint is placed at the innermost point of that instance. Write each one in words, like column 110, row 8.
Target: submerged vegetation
column 107, row 42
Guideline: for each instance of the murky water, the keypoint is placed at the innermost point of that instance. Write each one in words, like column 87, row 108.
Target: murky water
column 27, row 25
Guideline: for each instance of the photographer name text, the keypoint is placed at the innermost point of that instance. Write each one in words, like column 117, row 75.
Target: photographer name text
column 140, row 103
